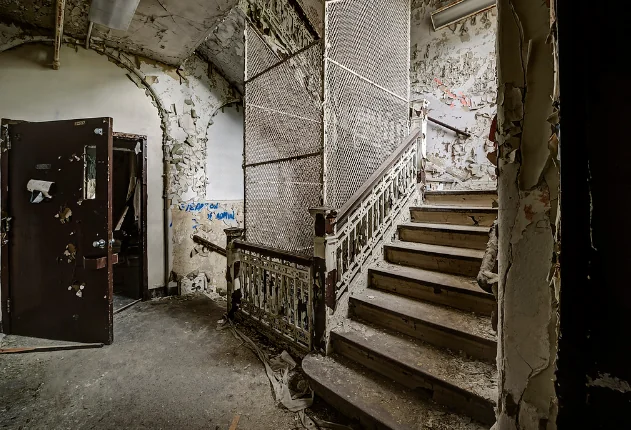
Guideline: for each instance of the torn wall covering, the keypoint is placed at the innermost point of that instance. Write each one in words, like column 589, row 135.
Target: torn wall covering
column 454, row 68
column 186, row 100
column 528, row 225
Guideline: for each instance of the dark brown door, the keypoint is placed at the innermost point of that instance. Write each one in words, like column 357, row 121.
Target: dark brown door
column 57, row 237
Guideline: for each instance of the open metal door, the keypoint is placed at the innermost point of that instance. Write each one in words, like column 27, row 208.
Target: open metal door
column 57, row 229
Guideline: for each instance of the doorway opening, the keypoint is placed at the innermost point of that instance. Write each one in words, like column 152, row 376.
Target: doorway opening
column 129, row 211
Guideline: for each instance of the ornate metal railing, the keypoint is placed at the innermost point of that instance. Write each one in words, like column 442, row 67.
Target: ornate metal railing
column 347, row 237
column 274, row 288
column 289, row 292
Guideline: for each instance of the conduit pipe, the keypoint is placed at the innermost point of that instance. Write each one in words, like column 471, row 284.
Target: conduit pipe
column 87, row 38
column 59, row 31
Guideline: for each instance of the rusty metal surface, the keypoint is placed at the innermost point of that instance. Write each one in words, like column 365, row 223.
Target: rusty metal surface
column 52, row 294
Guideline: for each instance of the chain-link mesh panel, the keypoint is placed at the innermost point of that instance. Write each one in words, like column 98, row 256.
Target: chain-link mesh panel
column 278, row 198
column 363, row 126
column 259, row 56
column 372, row 39
column 366, row 85
column 283, row 130
column 283, row 109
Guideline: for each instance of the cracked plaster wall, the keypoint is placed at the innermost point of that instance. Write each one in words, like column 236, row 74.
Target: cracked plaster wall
column 185, row 101
column 454, row 68
column 528, row 198
column 225, row 47
column 165, row 30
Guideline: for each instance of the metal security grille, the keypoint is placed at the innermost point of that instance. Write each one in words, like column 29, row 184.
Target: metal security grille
column 283, row 146
column 366, row 90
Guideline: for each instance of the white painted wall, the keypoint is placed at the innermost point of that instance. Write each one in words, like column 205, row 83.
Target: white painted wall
column 87, row 85
column 225, row 155
column 205, row 145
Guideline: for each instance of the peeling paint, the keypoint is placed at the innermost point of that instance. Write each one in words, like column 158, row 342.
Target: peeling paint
column 207, row 220
column 455, row 69
column 528, row 184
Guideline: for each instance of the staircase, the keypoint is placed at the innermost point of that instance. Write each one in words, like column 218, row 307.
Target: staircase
column 418, row 350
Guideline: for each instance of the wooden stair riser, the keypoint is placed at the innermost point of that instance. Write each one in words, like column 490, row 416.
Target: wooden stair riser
column 432, row 261
column 480, row 200
column 441, row 336
column 439, row 391
column 432, row 293
column 455, row 217
column 462, row 239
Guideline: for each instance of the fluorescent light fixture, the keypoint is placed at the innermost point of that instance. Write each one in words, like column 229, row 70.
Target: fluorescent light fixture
column 116, row 14
column 459, row 10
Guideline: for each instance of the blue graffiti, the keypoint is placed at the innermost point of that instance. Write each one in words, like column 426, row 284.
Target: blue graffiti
column 225, row 215
column 196, row 207
column 214, row 212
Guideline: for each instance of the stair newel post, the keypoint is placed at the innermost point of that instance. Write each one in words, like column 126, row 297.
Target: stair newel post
column 233, row 267
column 324, row 271
column 420, row 109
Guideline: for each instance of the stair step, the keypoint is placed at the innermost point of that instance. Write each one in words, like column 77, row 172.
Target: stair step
column 462, row 215
column 447, row 259
column 480, row 198
column 438, row 325
column 462, row 384
column 451, row 290
column 465, row 236
column 375, row 401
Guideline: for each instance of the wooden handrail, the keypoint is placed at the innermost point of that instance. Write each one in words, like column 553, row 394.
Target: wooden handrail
column 273, row 252
column 365, row 189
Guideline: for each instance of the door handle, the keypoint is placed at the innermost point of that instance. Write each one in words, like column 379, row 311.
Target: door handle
column 99, row 243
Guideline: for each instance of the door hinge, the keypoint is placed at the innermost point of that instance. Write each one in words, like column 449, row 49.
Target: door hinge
column 8, row 306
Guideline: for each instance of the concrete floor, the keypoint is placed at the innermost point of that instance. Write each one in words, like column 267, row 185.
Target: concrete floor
column 168, row 368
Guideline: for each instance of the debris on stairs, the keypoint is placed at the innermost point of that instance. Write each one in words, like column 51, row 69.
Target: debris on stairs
column 418, row 348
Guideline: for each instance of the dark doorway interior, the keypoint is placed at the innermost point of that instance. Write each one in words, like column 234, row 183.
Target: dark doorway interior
column 129, row 212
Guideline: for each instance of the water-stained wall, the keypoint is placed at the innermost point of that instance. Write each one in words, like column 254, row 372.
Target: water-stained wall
column 454, row 68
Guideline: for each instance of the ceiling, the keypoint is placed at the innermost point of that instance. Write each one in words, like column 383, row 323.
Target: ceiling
column 164, row 30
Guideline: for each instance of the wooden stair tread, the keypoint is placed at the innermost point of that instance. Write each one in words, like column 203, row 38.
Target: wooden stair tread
column 475, row 377
column 373, row 399
column 463, row 284
column 449, row 251
column 454, row 320
column 441, row 208
column 445, row 227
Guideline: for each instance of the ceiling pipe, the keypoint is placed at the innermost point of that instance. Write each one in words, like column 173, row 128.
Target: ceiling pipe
column 87, row 38
column 59, row 31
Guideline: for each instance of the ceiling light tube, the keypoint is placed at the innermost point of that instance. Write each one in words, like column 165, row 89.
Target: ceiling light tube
column 459, row 10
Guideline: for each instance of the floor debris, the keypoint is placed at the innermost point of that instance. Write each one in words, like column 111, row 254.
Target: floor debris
column 235, row 423
column 277, row 369
column 49, row 348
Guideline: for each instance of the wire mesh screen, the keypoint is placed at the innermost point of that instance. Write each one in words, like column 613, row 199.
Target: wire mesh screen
column 366, row 90
column 259, row 56
column 283, row 148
